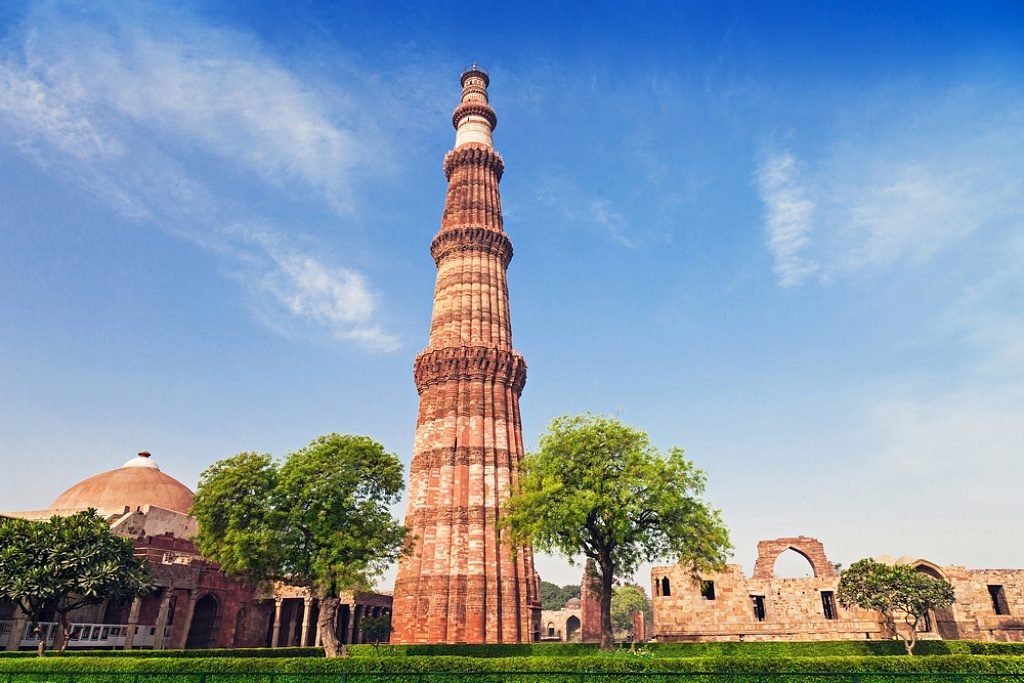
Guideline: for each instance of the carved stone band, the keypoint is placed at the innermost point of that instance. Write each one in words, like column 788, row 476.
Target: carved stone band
column 507, row 368
column 478, row 155
column 471, row 239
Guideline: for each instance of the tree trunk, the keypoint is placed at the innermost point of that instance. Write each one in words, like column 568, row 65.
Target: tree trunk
column 41, row 647
column 60, row 640
column 910, row 641
column 327, row 621
column 607, row 638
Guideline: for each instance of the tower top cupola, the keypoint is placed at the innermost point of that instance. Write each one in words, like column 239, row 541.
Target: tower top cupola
column 474, row 120
column 474, row 70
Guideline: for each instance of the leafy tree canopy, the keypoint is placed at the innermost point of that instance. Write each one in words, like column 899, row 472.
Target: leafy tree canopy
column 626, row 600
column 554, row 597
column 894, row 590
column 599, row 488
column 376, row 630
column 65, row 563
column 320, row 519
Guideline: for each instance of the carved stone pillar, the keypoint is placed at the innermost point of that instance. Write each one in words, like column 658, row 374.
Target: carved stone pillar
column 353, row 626
column 306, row 609
column 276, row 635
column 159, row 638
column 186, row 622
column 133, row 623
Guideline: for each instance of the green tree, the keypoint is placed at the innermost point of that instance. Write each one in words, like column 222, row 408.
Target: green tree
column 65, row 563
column 598, row 487
column 376, row 630
column 892, row 589
column 554, row 597
column 626, row 600
column 320, row 519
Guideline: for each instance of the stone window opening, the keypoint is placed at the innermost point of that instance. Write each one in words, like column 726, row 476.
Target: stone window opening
column 551, row 630
column 666, row 588
column 828, row 605
column 998, row 596
column 707, row 590
column 758, row 604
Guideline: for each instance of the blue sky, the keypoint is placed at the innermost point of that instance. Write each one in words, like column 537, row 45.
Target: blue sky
column 786, row 237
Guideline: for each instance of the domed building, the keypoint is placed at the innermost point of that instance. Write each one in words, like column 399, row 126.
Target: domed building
column 194, row 605
column 136, row 484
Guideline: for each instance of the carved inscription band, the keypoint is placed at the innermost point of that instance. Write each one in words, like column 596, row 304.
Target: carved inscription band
column 471, row 239
column 473, row 155
column 470, row 363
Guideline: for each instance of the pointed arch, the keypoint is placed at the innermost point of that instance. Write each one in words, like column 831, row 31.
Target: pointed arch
column 203, row 628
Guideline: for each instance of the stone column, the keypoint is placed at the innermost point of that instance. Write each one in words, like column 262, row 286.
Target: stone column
column 186, row 622
column 354, row 613
column 133, row 623
column 159, row 641
column 357, row 625
column 278, row 602
column 319, row 635
column 307, row 607
column 17, row 629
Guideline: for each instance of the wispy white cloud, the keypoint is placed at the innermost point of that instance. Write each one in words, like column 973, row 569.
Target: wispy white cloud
column 336, row 298
column 36, row 106
column 788, row 217
column 146, row 114
column 583, row 209
column 902, row 183
column 613, row 222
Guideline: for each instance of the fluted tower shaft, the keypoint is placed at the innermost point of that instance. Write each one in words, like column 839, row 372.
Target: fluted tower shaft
column 461, row 583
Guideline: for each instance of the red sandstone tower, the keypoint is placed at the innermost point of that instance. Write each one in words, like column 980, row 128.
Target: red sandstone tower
column 461, row 583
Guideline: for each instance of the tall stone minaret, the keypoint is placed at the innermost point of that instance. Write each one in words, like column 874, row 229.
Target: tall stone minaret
column 461, row 584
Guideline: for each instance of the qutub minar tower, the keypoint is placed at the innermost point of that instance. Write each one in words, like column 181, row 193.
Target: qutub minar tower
column 461, row 584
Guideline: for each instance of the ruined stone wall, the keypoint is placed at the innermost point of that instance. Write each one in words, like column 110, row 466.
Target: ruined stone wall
column 793, row 608
column 974, row 611
column 155, row 521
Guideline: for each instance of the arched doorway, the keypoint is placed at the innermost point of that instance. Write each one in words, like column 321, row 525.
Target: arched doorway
column 939, row 621
column 572, row 628
column 204, row 621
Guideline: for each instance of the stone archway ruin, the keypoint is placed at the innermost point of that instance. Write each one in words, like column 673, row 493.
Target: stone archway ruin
column 942, row 622
column 203, row 628
column 811, row 549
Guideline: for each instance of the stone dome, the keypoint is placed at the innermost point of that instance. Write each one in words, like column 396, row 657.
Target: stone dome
column 573, row 603
column 137, row 483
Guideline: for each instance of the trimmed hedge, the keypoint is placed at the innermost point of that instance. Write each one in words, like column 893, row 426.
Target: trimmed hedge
column 448, row 669
column 831, row 648
column 817, row 649
column 246, row 652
